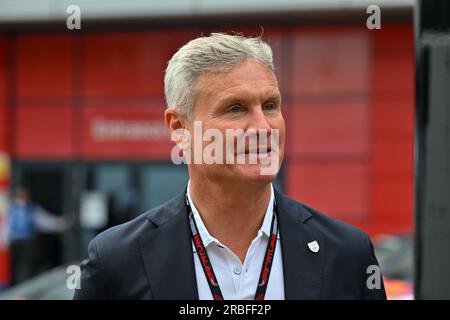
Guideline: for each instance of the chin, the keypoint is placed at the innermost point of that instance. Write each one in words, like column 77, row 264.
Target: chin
column 252, row 174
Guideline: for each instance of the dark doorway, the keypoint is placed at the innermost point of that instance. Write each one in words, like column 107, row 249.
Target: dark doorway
column 45, row 183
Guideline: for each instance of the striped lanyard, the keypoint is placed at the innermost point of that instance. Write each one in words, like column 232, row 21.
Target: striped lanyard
column 207, row 266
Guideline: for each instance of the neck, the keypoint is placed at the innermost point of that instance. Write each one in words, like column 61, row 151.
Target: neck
column 233, row 214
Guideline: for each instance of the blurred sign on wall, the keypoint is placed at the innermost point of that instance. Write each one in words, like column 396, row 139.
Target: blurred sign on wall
column 136, row 132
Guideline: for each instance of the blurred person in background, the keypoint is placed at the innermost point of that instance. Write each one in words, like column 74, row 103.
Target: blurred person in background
column 25, row 220
column 230, row 234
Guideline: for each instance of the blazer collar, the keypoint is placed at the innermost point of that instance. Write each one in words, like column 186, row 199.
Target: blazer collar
column 167, row 251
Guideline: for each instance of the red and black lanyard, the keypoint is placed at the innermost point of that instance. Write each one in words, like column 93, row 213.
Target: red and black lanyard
column 207, row 266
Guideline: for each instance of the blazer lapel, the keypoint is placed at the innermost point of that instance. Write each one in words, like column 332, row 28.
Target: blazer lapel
column 303, row 268
column 167, row 253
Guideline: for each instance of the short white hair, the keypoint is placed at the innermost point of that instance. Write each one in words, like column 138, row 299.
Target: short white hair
column 217, row 52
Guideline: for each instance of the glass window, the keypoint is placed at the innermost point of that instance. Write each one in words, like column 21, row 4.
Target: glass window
column 161, row 182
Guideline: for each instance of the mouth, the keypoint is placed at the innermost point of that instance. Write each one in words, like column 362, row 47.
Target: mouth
column 259, row 152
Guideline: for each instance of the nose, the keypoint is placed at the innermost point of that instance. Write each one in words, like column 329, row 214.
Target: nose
column 258, row 120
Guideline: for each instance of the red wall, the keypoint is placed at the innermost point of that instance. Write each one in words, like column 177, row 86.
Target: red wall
column 351, row 127
column 392, row 129
column 3, row 110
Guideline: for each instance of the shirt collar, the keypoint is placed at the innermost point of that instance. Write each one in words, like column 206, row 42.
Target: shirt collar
column 207, row 238
column 267, row 222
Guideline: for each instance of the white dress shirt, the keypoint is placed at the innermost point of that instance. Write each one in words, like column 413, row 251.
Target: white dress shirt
column 238, row 280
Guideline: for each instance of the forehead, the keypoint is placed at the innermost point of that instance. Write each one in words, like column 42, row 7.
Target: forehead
column 250, row 77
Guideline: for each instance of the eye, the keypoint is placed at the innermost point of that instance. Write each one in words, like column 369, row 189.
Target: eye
column 268, row 106
column 235, row 109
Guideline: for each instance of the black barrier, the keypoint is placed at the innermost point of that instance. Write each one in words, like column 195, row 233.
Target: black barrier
column 432, row 150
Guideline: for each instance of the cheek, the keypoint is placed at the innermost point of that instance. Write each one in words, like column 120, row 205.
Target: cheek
column 280, row 125
column 282, row 136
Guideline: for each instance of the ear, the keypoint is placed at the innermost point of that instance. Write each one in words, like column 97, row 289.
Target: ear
column 176, row 123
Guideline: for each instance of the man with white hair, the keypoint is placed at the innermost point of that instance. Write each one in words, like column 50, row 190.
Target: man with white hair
column 230, row 234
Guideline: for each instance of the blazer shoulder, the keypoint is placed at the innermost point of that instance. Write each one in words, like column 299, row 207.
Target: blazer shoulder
column 329, row 226
column 336, row 225
column 120, row 237
column 124, row 232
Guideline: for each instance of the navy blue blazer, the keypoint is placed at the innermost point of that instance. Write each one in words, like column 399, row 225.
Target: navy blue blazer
column 151, row 257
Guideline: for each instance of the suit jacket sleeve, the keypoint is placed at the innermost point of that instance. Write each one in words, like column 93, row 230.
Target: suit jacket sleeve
column 371, row 292
column 92, row 286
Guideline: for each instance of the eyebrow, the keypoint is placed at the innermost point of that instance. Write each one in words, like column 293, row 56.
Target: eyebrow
column 276, row 97
column 232, row 99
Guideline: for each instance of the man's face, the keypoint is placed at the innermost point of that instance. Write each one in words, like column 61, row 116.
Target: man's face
column 247, row 98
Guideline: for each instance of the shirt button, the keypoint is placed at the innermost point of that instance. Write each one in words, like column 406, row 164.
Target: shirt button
column 237, row 270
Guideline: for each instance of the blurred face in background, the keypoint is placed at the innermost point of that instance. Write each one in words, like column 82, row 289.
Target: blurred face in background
column 247, row 98
column 22, row 196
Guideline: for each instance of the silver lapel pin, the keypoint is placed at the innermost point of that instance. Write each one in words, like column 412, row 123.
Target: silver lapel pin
column 313, row 246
